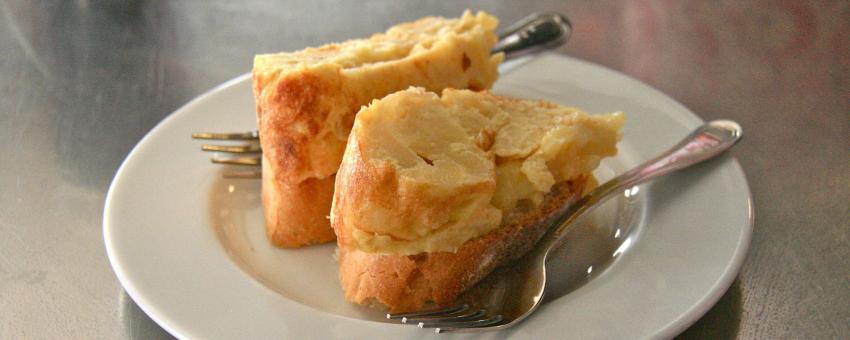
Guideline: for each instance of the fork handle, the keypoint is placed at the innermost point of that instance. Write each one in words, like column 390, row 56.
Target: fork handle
column 534, row 33
column 706, row 142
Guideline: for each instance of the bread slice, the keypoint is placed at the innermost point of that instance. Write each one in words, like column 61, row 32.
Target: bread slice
column 435, row 192
column 306, row 102
column 406, row 283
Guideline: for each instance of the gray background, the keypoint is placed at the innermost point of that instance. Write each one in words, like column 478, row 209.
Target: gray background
column 82, row 81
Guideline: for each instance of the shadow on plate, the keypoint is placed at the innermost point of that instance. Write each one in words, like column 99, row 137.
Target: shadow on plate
column 592, row 246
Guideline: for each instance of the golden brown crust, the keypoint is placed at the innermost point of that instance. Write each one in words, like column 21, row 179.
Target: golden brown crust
column 406, row 283
column 299, row 215
column 305, row 112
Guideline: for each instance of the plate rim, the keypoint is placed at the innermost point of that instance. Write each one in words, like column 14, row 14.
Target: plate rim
column 725, row 281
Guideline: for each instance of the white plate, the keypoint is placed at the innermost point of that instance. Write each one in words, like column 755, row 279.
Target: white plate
column 189, row 247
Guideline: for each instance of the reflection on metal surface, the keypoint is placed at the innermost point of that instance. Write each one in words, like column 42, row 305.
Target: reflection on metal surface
column 631, row 191
column 623, row 247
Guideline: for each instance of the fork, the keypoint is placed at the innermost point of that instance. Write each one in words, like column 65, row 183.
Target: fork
column 250, row 145
column 527, row 287
column 532, row 34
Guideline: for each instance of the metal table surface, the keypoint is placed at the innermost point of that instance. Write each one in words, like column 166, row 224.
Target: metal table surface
column 82, row 81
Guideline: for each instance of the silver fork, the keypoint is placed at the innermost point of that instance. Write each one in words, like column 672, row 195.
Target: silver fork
column 250, row 145
column 527, row 286
column 532, row 34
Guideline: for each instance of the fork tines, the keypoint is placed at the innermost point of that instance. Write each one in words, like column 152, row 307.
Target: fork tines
column 251, row 146
column 448, row 319
column 250, row 174
column 250, row 135
column 464, row 325
column 242, row 148
column 248, row 160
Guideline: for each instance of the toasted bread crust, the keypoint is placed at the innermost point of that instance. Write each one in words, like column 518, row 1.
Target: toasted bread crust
column 406, row 283
column 305, row 112
column 299, row 215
